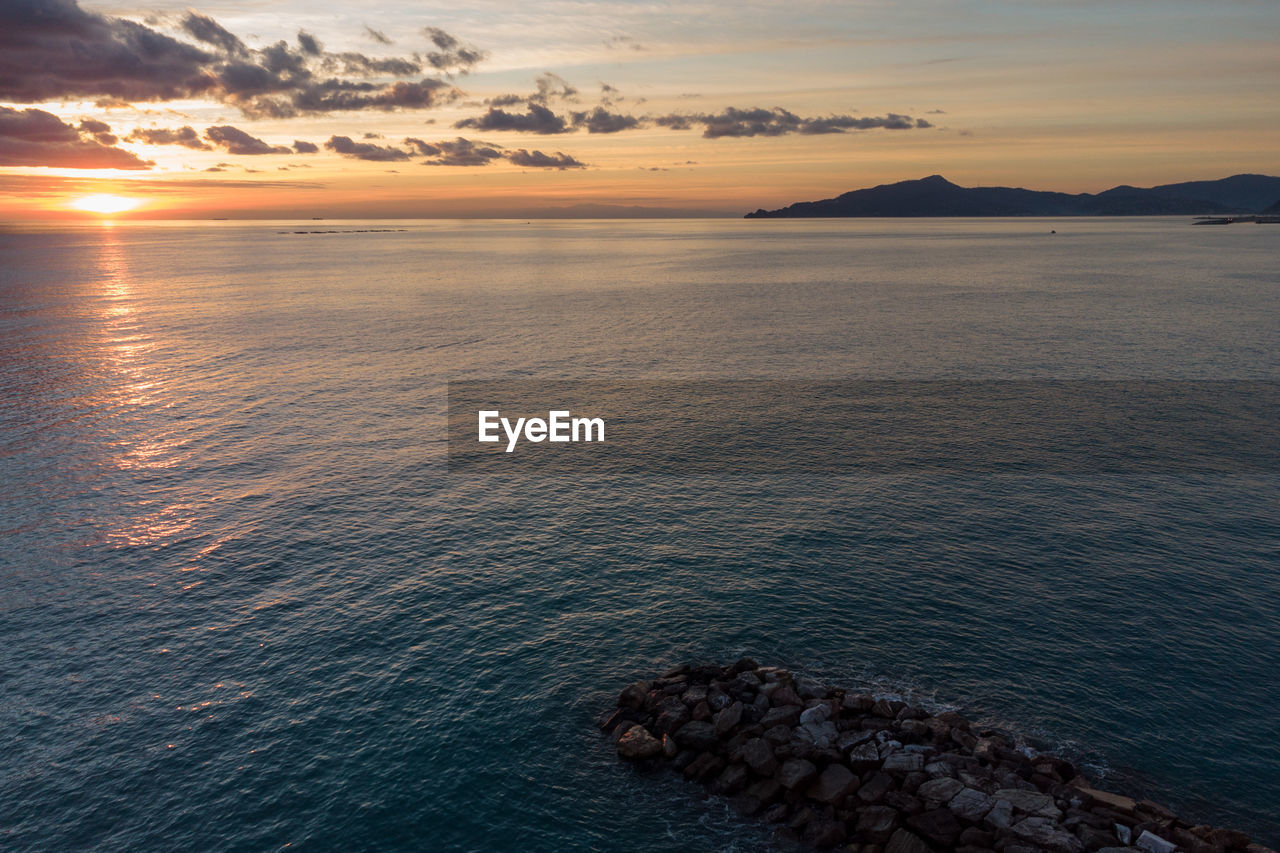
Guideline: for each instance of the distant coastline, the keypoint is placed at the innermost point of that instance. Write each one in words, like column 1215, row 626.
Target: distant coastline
column 936, row 196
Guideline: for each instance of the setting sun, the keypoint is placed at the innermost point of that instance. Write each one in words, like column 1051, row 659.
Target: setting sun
column 105, row 203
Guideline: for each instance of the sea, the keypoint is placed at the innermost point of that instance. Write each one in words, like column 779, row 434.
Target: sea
column 247, row 603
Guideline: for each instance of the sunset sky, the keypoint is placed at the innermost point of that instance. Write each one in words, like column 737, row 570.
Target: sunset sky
column 211, row 108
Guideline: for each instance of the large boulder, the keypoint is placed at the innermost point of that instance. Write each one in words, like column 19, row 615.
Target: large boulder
column 1033, row 803
column 936, row 792
column 697, row 735
column 876, row 823
column 759, row 756
column 937, row 825
column 833, row 784
column 637, row 744
column 796, row 772
column 726, row 720
column 906, row 842
column 1044, row 832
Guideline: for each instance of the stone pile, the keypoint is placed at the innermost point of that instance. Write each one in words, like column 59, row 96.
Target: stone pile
column 832, row 768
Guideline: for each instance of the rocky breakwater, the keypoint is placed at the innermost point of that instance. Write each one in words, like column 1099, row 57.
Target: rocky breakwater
column 832, row 767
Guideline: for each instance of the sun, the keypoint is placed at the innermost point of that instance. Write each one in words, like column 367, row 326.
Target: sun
column 106, row 203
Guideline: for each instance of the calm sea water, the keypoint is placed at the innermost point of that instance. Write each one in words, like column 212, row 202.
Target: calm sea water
column 244, row 606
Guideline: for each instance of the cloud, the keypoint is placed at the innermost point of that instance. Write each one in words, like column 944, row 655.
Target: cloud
column 34, row 137
column 552, row 86
column 452, row 55
column 236, row 141
column 303, row 147
column 624, row 43
column 209, row 31
column 538, row 160
column 53, row 50
column 734, row 122
column 601, row 120
column 457, row 152
column 348, row 147
column 185, row 136
column 538, row 119
column 377, row 35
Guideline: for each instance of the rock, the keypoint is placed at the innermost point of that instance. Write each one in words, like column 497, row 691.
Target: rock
column 697, row 735
column 731, row 780
column 848, row 740
column 864, row 757
column 1227, row 838
column 757, row 753
column 971, row 805
column 874, row 789
column 669, row 747
column 939, row 770
column 1043, row 832
column 824, row 832
column 887, row 708
column 796, row 772
column 1000, row 816
column 903, row 762
column 764, row 792
column 1033, row 803
column 906, row 842
column 673, row 714
column 784, row 696
column 637, row 744
column 905, row 803
column 1124, row 834
column 974, row 837
column 1094, row 838
column 718, row 700
column 706, row 766
column 1153, row 843
column 634, row 695
column 819, row 713
column 807, row 688
column 822, row 735
column 694, row 694
column 781, row 715
column 859, row 703
column 777, row 735
column 937, row 825
column 776, row 813
column 702, row 712
column 833, row 784
column 876, row 824
column 938, row 791
column 726, row 720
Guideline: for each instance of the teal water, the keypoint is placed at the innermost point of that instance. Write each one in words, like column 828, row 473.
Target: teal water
column 244, row 605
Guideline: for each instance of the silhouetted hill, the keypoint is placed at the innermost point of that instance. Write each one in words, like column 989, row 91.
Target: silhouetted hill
column 936, row 196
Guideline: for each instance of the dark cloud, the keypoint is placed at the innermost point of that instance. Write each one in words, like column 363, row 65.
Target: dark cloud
column 207, row 30
column 601, row 120
column 505, row 101
column 733, row 122
column 309, row 44
column 552, row 86
column 301, row 146
column 185, row 136
column 538, row 119
column 377, row 35
column 452, row 55
column 348, row 147
column 624, row 43
column 236, row 141
column 99, row 130
column 457, row 152
column 53, row 50
column 34, row 137
column 538, row 160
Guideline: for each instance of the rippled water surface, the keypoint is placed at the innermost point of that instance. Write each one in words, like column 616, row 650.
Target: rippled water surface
column 243, row 605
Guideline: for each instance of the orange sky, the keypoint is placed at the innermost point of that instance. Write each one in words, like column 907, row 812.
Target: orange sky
column 504, row 109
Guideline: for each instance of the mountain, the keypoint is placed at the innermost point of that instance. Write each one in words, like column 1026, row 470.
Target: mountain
column 936, row 196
